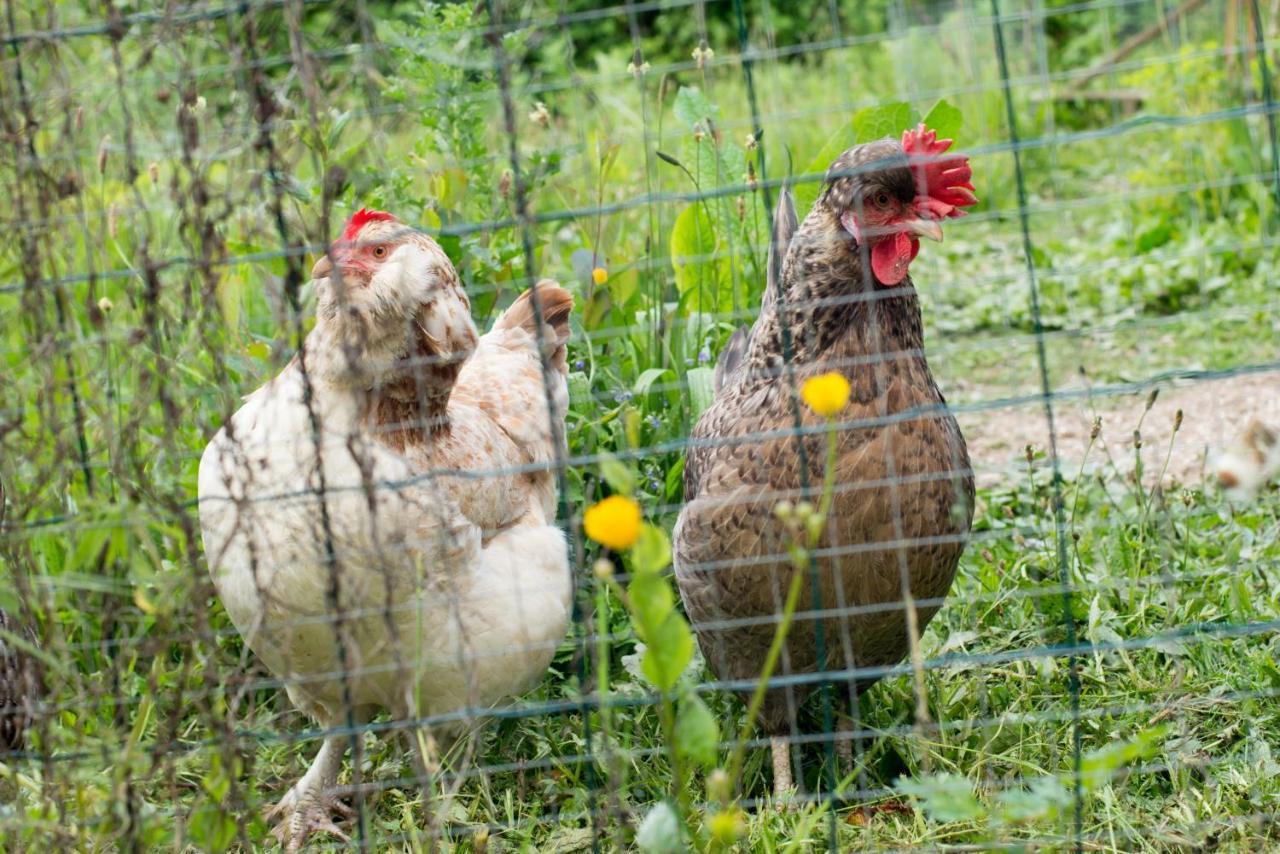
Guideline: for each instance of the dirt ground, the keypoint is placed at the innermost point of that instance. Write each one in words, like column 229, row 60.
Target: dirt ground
column 1215, row 410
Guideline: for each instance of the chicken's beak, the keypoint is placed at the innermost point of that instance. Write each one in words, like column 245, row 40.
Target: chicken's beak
column 924, row 228
column 323, row 267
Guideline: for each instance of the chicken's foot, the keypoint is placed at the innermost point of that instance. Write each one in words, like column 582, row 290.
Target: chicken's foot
column 310, row 805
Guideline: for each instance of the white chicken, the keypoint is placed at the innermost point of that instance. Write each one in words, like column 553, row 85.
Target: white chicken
column 379, row 519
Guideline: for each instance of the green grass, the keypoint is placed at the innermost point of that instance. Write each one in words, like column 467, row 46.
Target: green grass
column 1154, row 253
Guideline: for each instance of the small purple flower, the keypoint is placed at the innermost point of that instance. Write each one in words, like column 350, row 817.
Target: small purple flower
column 655, row 485
column 704, row 356
column 579, row 365
column 622, row 396
column 688, row 363
column 654, row 421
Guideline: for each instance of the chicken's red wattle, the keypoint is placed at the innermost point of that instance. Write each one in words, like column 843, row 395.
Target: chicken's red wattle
column 891, row 256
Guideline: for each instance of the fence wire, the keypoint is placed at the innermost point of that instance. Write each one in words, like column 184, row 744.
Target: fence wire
column 528, row 517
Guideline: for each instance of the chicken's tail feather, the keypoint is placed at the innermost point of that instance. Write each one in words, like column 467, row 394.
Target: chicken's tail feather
column 556, row 304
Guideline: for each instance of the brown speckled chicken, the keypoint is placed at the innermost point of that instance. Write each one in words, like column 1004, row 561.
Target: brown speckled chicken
column 904, row 492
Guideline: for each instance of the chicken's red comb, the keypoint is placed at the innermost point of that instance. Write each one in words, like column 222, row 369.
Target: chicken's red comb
column 361, row 218
column 943, row 184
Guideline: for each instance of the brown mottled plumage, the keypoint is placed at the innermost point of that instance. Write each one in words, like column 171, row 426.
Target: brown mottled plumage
column 904, row 491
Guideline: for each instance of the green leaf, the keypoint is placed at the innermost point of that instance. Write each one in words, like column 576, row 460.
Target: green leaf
column 651, row 602
column 945, row 797
column 210, row 828
column 697, row 734
column 871, row 123
column 580, row 389
column 1097, row 766
column 702, row 390
column 652, row 552
column 620, row 477
column 669, row 649
column 807, row 191
column 692, row 107
column 693, row 255
column 648, row 378
column 1044, row 799
column 945, row 119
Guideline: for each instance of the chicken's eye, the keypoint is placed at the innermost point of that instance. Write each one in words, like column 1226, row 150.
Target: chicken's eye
column 881, row 199
column 379, row 252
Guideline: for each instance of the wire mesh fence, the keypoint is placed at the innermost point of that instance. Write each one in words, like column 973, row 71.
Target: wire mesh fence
column 508, row 425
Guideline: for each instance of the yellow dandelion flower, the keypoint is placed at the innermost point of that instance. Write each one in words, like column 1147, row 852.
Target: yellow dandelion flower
column 614, row 522
column 826, row 394
column 599, row 275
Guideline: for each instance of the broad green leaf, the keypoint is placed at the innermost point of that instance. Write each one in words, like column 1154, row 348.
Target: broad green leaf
column 945, row 119
column 669, row 651
column 579, row 388
column 702, row 390
column 1045, row 798
column 871, row 123
column 944, row 797
column 648, row 378
column 692, row 107
column 651, row 602
column 652, row 552
column 693, row 255
column 697, row 734
column 808, row 183
column 621, row 478
column 1097, row 766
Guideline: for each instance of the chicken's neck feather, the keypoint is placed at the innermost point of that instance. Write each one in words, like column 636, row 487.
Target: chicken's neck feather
column 402, row 373
column 835, row 311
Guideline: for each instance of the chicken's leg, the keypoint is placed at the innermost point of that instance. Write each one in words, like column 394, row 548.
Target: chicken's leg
column 309, row 806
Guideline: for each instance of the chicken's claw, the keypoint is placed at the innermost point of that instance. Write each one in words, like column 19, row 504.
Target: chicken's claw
column 302, row 814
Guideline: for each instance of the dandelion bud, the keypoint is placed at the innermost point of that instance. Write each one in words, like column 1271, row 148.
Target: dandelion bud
column 602, row 569
column 1151, row 399
column 804, row 510
column 1096, row 429
column 718, row 785
column 105, row 305
column 784, row 510
column 1137, row 440
column 751, row 143
column 1177, row 421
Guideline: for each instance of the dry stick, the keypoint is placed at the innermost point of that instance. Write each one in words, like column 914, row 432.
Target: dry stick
column 1133, row 43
